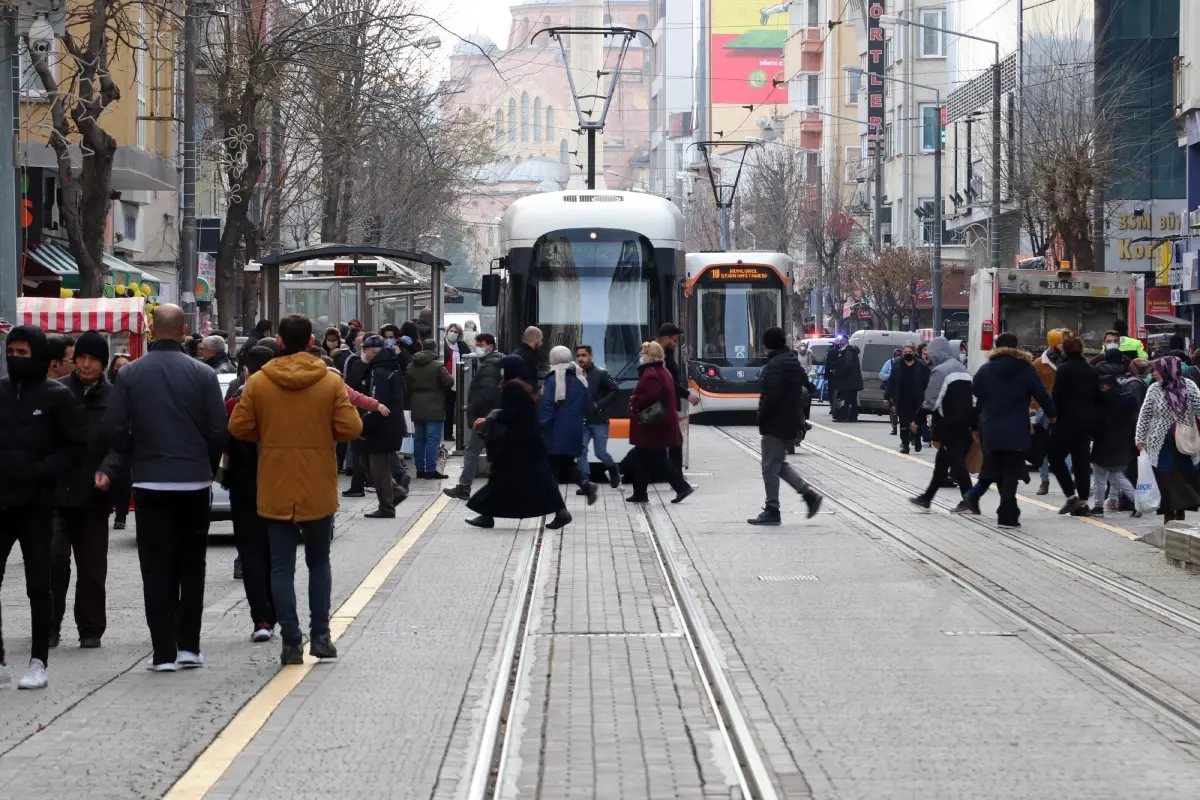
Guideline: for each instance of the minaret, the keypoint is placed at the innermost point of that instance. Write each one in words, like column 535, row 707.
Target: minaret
column 587, row 58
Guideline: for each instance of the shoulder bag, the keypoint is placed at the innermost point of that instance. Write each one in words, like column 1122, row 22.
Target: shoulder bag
column 1187, row 438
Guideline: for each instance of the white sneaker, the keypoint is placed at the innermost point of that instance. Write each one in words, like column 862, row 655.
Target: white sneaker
column 35, row 676
column 189, row 660
column 5, row 674
column 168, row 667
column 261, row 635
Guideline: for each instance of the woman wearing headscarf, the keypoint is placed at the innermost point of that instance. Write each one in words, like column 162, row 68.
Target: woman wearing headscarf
column 652, row 436
column 1171, row 401
column 565, row 404
column 521, row 484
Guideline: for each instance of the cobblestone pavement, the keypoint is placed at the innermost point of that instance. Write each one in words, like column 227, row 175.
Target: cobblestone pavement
column 863, row 671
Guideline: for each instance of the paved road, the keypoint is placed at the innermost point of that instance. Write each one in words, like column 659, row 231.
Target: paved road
column 861, row 668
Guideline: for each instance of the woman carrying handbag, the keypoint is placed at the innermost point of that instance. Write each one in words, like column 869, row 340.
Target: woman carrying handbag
column 654, row 427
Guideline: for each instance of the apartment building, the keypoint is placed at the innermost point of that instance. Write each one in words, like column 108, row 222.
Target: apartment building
column 143, row 220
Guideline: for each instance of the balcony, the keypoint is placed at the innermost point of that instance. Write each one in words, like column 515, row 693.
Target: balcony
column 804, row 51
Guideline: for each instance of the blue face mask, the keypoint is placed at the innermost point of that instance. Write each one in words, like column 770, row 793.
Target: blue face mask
column 406, row 339
column 390, row 342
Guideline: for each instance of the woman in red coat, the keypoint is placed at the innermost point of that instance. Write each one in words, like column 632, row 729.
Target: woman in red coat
column 651, row 440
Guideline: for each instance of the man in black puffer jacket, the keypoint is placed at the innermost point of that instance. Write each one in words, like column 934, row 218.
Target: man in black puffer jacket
column 82, row 502
column 41, row 436
column 384, row 434
column 906, row 390
column 779, row 419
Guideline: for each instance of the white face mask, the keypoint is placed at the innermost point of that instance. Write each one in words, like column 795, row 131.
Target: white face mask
column 451, row 337
column 481, row 351
column 1111, row 346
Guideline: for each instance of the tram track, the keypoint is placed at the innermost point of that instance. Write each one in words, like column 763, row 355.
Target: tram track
column 1182, row 719
column 499, row 742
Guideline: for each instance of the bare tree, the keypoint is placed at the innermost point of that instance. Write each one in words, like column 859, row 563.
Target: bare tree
column 1082, row 137
column 702, row 219
column 776, row 191
column 96, row 33
column 892, row 280
column 831, row 240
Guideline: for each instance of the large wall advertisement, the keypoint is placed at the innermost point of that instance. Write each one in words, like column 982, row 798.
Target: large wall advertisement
column 746, row 64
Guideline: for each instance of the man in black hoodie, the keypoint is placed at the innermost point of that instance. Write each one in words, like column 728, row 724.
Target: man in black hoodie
column 82, row 501
column 167, row 417
column 41, row 436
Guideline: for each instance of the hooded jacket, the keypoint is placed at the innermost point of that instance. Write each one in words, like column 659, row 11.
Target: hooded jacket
column 167, row 417
column 1112, row 445
column 385, row 383
column 42, row 434
column 484, row 393
column 948, row 396
column 428, row 382
column 1131, row 347
column 296, row 410
column 1004, row 387
column 1112, row 363
column 1047, row 367
column 1076, row 396
column 77, row 486
column 780, row 402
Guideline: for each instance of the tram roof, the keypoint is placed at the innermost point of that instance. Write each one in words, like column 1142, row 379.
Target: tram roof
column 698, row 262
column 531, row 217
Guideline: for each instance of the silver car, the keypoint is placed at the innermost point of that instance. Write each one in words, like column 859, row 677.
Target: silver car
column 220, row 498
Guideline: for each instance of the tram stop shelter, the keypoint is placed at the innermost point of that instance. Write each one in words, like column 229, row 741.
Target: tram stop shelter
column 343, row 282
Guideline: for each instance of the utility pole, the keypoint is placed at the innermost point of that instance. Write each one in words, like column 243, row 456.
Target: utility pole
column 938, row 202
column 994, row 222
column 187, row 226
column 9, row 230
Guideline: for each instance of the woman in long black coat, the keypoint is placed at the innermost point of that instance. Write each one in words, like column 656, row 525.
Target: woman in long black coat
column 522, row 484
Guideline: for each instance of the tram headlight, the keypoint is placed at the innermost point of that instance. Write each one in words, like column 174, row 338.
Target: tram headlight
column 710, row 372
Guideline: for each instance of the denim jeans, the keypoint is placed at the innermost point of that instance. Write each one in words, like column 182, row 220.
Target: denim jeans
column 596, row 432
column 316, row 536
column 427, row 437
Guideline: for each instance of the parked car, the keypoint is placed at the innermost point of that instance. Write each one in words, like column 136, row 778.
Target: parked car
column 875, row 348
column 819, row 347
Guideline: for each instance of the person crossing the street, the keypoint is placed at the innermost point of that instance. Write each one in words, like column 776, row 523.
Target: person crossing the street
column 779, row 419
column 82, row 501
column 950, row 401
column 603, row 390
column 296, row 410
column 41, row 436
column 1076, row 396
column 906, row 390
column 167, row 417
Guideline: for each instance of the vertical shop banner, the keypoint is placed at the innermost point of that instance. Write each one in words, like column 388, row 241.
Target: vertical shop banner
column 746, row 59
column 876, row 67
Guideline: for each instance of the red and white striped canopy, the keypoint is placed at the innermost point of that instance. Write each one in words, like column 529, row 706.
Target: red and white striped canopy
column 76, row 315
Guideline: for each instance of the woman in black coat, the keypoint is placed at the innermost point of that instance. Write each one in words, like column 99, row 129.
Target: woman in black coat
column 1077, row 398
column 522, row 484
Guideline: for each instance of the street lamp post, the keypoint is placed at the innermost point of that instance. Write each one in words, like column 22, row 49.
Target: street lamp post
column 937, row 194
column 994, row 224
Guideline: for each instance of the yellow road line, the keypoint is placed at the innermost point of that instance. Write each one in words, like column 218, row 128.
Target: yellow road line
column 241, row 730
column 1020, row 497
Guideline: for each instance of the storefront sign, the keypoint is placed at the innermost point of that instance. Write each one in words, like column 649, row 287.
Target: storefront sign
column 1140, row 230
column 876, row 66
column 1158, row 302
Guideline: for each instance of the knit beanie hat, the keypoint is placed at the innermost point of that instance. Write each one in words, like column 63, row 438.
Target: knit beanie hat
column 94, row 345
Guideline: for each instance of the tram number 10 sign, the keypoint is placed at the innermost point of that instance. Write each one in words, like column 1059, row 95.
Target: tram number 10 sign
column 739, row 274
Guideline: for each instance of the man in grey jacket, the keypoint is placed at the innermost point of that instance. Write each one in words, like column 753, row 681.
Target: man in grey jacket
column 167, row 420
column 949, row 399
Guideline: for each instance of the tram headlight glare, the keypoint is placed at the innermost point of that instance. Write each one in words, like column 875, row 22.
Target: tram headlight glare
column 592, row 235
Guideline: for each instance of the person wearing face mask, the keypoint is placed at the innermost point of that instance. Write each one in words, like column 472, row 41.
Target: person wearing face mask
column 884, row 373
column 1112, row 362
column 454, row 349
column 805, row 357
column 42, row 436
column 906, row 391
column 482, row 398
column 332, row 346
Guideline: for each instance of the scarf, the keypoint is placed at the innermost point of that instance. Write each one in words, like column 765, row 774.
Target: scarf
column 1173, row 386
column 560, row 379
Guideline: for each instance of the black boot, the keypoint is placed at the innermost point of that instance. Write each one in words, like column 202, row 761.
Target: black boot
column 482, row 522
column 614, row 477
column 768, row 516
column 561, row 519
column 813, row 501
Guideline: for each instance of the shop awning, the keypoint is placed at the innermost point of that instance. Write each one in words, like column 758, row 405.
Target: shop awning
column 1156, row 319
column 60, row 262
column 108, row 315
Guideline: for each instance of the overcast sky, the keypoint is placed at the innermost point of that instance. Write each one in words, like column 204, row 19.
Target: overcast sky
column 465, row 17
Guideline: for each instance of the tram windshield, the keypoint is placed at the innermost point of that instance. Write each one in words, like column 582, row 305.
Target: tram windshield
column 596, row 288
column 731, row 320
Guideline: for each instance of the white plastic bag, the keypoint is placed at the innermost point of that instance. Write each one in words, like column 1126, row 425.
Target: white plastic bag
column 1146, row 496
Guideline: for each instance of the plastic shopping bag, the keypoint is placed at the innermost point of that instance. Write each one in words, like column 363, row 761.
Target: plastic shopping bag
column 1146, row 495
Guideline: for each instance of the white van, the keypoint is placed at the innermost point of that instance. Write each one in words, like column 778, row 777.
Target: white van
column 876, row 348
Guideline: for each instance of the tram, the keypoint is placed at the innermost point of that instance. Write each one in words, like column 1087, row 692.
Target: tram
column 732, row 298
column 595, row 267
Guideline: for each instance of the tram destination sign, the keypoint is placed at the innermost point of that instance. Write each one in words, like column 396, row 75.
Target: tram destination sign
column 739, row 273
